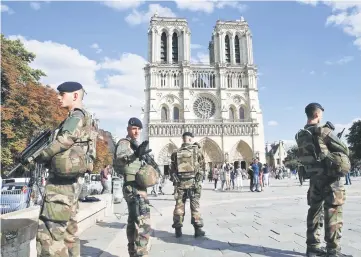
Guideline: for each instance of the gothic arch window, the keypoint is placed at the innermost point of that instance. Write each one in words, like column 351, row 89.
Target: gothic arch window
column 241, row 113
column 229, row 80
column 237, row 50
column 162, row 79
column 231, row 113
column 239, row 81
column 176, row 113
column 163, row 47
column 164, row 114
column 175, row 48
column 176, row 80
column 227, row 49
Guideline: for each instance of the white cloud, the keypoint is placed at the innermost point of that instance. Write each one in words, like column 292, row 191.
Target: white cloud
column 5, row 8
column 312, row 72
column 272, row 123
column 118, row 98
column 35, row 5
column 196, row 46
column 137, row 17
column 342, row 61
column 346, row 15
column 97, row 48
column 200, row 57
column 208, row 6
column 121, row 5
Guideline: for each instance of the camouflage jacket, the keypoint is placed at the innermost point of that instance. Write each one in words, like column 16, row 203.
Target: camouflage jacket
column 186, row 183
column 74, row 133
column 325, row 142
column 125, row 162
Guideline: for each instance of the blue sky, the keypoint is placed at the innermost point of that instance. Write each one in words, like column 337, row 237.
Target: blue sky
column 305, row 52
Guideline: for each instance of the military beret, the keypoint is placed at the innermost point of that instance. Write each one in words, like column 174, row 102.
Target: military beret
column 313, row 106
column 187, row 134
column 69, row 87
column 135, row 122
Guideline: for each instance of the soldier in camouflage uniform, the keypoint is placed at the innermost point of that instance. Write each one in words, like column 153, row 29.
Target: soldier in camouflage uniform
column 69, row 156
column 187, row 170
column 127, row 163
column 316, row 144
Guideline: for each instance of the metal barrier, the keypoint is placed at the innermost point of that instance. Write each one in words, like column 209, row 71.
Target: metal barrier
column 14, row 200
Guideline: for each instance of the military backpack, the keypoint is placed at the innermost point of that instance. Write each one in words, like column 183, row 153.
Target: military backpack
column 187, row 162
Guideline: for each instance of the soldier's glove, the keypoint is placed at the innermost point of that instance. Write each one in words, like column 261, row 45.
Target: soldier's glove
column 142, row 149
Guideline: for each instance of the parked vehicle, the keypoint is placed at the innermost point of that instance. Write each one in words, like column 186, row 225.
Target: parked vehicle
column 16, row 195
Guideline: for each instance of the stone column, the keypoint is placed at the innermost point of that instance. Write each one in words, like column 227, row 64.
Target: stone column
column 169, row 48
column 180, row 48
column 221, row 47
column 244, row 51
column 216, row 47
column 233, row 56
column 249, row 48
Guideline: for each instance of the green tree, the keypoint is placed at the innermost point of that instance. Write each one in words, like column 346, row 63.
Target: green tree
column 291, row 161
column 26, row 105
column 354, row 141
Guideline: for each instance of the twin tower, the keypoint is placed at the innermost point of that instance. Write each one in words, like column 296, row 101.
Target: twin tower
column 216, row 101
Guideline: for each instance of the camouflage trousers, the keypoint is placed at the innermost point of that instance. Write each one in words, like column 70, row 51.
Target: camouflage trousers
column 138, row 227
column 57, row 222
column 325, row 196
column 180, row 196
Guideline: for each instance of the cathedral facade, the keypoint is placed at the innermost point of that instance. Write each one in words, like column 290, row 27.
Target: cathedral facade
column 217, row 102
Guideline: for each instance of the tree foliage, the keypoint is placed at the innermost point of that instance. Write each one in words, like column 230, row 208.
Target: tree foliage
column 291, row 161
column 26, row 106
column 104, row 155
column 354, row 141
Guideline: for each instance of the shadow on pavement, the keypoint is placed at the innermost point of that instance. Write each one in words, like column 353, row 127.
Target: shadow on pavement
column 111, row 224
column 210, row 244
column 86, row 250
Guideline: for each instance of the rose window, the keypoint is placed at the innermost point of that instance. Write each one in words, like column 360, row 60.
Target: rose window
column 204, row 107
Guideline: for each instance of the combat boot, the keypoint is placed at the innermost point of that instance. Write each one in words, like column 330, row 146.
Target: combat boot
column 313, row 251
column 336, row 253
column 178, row 232
column 198, row 232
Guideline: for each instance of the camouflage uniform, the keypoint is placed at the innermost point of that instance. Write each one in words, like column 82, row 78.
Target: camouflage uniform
column 326, row 190
column 187, row 188
column 57, row 222
column 138, row 228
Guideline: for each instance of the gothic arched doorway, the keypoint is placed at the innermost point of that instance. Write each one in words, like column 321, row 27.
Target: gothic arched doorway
column 211, row 151
column 163, row 159
column 241, row 153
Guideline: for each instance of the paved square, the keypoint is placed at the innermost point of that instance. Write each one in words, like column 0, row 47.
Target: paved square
column 270, row 223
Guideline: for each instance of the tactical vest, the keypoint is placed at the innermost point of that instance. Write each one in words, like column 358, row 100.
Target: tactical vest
column 187, row 162
column 79, row 157
column 128, row 170
column 308, row 151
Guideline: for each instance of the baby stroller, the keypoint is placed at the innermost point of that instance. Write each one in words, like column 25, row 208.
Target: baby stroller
column 157, row 188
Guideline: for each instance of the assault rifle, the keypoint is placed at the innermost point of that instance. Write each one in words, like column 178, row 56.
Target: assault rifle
column 36, row 146
column 339, row 135
column 145, row 157
column 332, row 127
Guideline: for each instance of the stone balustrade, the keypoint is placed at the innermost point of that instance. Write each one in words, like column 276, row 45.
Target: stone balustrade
column 209, row 129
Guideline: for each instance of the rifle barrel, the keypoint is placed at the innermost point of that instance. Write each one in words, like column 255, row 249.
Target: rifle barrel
column 14, row 169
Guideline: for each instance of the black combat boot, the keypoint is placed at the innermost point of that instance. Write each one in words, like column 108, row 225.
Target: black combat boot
column 336, row 253
column 178, row 232
column 314, row 251
column 198, row 232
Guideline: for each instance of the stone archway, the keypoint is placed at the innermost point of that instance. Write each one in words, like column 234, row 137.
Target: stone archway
column 241, row 151
column 165, row 153
column 211, row 151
